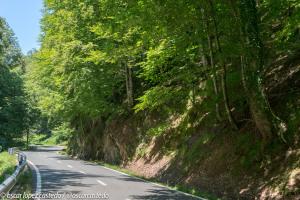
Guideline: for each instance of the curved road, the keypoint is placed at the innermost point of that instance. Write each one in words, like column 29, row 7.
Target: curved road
column 55, row 173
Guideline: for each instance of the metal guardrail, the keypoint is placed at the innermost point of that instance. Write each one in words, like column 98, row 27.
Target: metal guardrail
column 11, row 181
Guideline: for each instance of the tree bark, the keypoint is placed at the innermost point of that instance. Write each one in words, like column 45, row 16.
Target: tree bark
column 226, row 101
column 130, row 91
column 212, row 64
column 129, row 85
column 223, row 78
column 27, row 139
column 265, row 120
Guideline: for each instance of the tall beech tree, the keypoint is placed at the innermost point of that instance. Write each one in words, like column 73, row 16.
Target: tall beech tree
column 103, row 58
column 252, row 64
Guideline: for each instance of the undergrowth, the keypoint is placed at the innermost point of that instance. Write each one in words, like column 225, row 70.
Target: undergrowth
column 7, row 165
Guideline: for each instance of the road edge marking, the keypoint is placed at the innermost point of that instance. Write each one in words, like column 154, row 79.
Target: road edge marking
column 38, row 189
column 146, row 181
column 102, row 183
column 156, row 184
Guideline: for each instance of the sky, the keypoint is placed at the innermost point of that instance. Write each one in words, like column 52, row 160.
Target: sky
column 23, row 16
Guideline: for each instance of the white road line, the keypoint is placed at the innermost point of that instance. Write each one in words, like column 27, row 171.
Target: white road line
column 70, row 166
column 156, row 184
column 82, row 172
column 104, row 184
column 38, row 189
column 58, row 161
column 116, row 171
column 127, row 199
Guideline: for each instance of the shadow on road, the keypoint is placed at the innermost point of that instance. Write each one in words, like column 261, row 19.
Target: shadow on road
column 55, row 180
column 162, row 194
column 44, row 148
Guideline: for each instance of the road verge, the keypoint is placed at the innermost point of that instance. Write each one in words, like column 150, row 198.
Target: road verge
column 10, row 182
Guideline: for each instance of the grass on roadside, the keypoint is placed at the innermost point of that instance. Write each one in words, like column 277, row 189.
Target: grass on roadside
column 58, row 136
column 24, row 185
column 7, row 165
column 43, row 139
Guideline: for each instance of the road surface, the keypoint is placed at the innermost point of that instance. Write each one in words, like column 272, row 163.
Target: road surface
column 55, row 173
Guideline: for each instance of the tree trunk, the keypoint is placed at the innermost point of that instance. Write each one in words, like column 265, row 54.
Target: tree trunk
column 130, row 91
column 212, row 64
column 266, row 121
column 27, row 139
column 226, row 101
column 257, row 107
column 223, row 79
column 129, row 85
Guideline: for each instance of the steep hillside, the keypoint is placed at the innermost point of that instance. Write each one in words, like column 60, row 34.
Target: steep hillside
column 195, row 151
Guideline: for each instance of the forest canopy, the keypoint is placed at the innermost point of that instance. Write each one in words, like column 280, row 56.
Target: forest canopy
column 101, row 58
column 13, row 107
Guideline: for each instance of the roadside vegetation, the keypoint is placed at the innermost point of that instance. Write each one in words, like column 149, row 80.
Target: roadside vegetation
column 7, row 165
column 58, row 136
column 14, row 109
column 24, row 184
column 202, row 94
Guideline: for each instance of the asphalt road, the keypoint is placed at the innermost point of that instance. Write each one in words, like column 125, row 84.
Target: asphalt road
column 55, row 173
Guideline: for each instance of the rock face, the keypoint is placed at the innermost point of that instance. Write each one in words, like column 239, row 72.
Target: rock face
column 113, row 142
column 214, row 170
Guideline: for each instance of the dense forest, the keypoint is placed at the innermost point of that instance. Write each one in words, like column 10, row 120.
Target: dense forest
column 14, row 112
column 209, row 88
